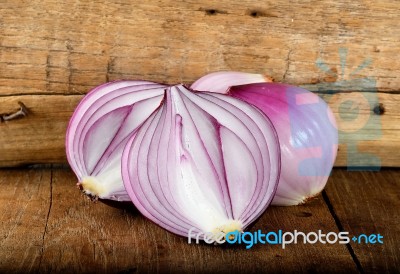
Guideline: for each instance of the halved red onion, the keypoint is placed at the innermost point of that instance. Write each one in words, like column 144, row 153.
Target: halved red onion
column 202, row 162
column 99, row 130
column 305, row 125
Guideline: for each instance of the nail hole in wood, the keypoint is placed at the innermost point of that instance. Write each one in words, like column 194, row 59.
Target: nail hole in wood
column 254, row 14
column 260, row 13
column 379, row 109
column 211, row 12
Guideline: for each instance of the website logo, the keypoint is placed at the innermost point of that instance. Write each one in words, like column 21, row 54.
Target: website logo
column 249, row 239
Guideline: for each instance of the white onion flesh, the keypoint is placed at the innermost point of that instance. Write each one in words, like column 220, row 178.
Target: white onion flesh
column 99, row 130
column 202, row 161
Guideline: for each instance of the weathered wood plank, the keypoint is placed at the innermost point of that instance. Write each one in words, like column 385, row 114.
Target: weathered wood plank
column 24, row 206
column 67, row 47
column 83, row 236
column 49, row 47
column 39, row 137
column 369, row 202
column 368, row 124
column 93, row 237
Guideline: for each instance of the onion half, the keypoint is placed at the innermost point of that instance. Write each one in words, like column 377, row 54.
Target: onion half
column 202, row 163
column 99, row 129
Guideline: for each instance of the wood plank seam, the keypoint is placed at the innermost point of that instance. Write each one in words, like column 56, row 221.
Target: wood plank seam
column 319, row 93
column 341, row 229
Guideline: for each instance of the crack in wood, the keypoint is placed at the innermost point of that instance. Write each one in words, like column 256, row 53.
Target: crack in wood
column 110, row 68
column 69, row 64
column 47, row 217
column 48, row 72
column 341, row 229
column 287, row 65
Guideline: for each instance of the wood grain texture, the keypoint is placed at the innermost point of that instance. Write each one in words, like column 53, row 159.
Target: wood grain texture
column 87, row 237
column 24, row 206
column 369, row 202
column 69, row 46
column 40, row 136
column 66, row 48
column 368, row 126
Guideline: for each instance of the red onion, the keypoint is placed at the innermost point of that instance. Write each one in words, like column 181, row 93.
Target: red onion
column 99, row 130
column 202, row 162
column 305, row 125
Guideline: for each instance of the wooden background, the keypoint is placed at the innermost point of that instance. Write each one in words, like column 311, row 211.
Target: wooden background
column 47, row 226
column 53, row 52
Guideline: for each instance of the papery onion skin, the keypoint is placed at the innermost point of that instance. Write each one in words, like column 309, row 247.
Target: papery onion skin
column 305, row 125
column 99, row 129
column 195, row 165
column 221, row 81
